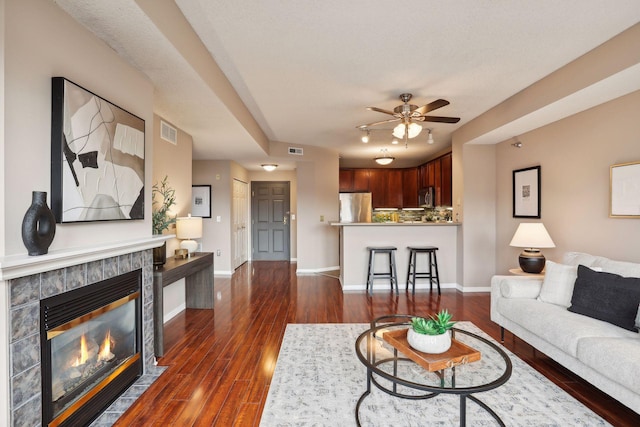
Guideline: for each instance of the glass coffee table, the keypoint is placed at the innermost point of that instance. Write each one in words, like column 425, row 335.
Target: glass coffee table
column 407, row 376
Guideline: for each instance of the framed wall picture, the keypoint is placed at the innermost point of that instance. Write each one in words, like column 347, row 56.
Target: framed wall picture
column 97, row 157
column 201, row 201
column 526, row 192
column 624, row 191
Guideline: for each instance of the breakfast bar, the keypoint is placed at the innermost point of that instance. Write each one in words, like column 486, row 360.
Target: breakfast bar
column 355, row 237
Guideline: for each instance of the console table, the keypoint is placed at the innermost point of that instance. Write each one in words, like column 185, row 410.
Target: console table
column 197, row 271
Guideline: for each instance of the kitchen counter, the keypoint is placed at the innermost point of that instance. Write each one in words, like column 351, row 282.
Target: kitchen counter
column 369, row 224
column 354, row 257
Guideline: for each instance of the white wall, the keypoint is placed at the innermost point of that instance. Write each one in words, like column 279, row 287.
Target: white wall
column 42, row 41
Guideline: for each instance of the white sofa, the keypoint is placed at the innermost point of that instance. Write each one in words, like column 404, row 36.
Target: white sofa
column 606, row 355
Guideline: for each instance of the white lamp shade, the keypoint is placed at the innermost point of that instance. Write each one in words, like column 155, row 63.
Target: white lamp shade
column 532, row 235
column 189, row 227
column 414, row 130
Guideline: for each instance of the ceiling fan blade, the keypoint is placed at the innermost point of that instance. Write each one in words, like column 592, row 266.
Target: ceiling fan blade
column 377, row 123
column 380, row 110
column 439, row 119
column 438, row 103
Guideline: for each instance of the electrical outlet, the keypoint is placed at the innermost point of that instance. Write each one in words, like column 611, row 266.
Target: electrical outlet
column 321, row 218
column 218, row 252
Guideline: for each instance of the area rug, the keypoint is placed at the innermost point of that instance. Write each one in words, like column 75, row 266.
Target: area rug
column 318, row 380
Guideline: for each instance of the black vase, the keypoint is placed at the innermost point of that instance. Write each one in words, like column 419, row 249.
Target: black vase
column 38, row 225
column 160, row 255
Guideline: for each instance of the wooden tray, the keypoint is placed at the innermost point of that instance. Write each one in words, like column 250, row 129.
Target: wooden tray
column 458, row 354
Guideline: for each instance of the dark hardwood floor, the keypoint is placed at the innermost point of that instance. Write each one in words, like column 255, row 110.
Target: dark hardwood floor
column 220, row 361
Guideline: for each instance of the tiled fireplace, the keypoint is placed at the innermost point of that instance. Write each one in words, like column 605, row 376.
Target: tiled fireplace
column 84, row 271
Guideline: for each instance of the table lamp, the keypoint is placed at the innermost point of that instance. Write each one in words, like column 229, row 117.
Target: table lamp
column 189, row 228
column 531, row 236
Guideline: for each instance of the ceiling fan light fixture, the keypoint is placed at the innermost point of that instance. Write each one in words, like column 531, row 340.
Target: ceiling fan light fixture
column 414, row 130
column 269, row 167
column 384, row 158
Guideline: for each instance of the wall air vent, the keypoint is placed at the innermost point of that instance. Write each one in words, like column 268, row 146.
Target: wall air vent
column 168, row 133
column 296, row 151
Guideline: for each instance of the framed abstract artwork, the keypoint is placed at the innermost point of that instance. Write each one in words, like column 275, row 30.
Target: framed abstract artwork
column 97, row 157
column 526, row 192
column 201, row 201
column 624, row 183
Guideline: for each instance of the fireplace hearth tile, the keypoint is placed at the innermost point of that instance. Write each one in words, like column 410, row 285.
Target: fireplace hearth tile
column 24, row 384
column 25, row 289
column 52, row 283
column 94, row 272
column 25, row 321
column 124, row 263
column 137, row 260
column 76, row 276
column 110, row 267
column 25, row 354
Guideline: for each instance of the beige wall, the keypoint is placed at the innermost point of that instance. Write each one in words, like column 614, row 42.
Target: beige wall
column 314, row 193
column 574, row 151
column 574, row 155
column 174, row 162
column 42, row 41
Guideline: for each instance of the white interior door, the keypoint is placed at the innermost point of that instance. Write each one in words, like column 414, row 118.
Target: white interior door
column 240, row 221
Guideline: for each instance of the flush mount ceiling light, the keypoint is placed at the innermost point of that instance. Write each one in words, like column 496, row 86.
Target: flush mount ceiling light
column 365, row 137
column 384, row 158
column 269, row 167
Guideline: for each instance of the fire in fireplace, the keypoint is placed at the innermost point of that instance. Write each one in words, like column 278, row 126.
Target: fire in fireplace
column 91, row 348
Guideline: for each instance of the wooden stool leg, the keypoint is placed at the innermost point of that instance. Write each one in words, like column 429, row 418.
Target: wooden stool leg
column 370, row 273
column 435, row 264
column 394, row 275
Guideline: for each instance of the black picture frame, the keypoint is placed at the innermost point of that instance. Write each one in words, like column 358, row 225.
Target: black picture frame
column 201, row 201
column 97, row 157
column 526, row 192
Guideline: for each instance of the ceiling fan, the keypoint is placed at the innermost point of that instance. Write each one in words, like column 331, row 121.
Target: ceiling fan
column 408, row 114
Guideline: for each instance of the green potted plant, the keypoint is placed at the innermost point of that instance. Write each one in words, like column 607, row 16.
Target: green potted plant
column 431, row 335
column 163, row 197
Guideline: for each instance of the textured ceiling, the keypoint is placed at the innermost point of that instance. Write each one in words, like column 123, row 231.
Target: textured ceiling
column 306, row 70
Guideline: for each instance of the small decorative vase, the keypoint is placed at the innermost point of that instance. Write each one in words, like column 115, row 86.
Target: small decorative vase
column 160, row 255
column 38, row 225
column 434, row 344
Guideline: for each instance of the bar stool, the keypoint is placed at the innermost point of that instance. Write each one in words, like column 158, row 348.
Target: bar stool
column 431, row 274
column 391, row 275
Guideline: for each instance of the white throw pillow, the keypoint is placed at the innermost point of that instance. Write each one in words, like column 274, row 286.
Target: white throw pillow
column 557, row 287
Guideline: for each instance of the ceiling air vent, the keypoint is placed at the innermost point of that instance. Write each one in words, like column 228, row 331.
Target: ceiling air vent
column 168, row 133
column 296, row 151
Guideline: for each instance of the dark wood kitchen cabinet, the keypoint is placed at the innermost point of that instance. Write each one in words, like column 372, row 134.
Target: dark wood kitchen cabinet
column 346, row 180
column 410, row 188
column 398, row 188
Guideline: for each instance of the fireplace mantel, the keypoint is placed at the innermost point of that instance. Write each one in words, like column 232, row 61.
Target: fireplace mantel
column 14, row 266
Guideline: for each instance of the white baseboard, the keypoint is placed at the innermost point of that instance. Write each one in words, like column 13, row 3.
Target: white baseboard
column 222, row 273
column 419, row 287
column 309, row 271
column 173, row 313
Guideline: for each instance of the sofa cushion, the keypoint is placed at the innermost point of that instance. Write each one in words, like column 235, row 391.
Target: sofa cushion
column 615, row 358
column 606, row 296
column 557, row 325
column 520, row 288
column 624, row 269
column 580, row 258
column 557, row 286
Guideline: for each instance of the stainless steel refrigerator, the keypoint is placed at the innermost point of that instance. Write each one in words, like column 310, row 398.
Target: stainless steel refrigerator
column 355, row 207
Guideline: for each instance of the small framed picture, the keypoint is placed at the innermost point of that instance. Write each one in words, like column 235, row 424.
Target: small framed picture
column 201, row 201
column 526, row 192
column 624, row 191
